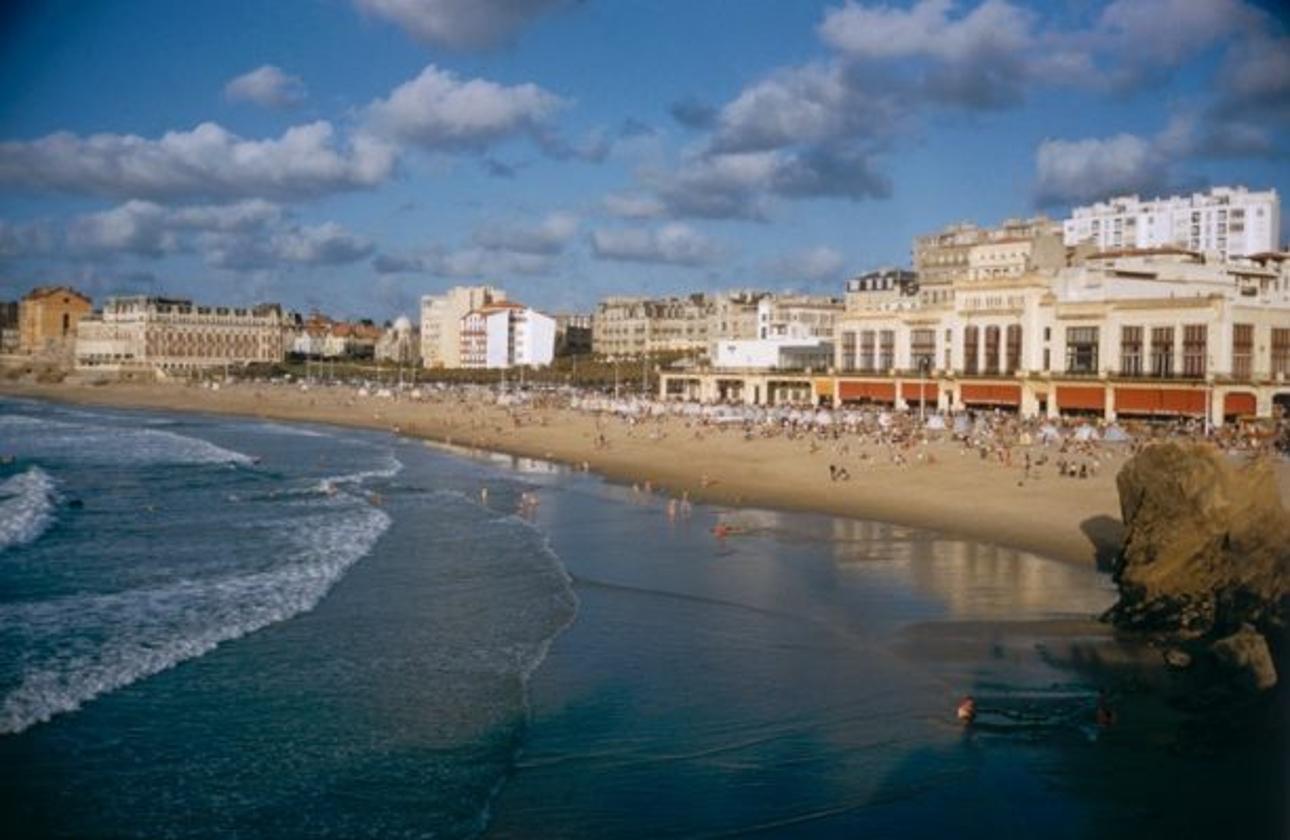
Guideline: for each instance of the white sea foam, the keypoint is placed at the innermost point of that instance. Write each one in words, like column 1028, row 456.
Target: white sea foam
column 77, row 648
column 392, row 467
column 27, row 507
column 107, row 443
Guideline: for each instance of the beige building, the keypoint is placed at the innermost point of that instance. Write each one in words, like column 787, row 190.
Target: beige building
column 48, row 317
column 441, row 322
column 733, row 316
column 1147, row 333
column 631, row 326
column 172, row 335
column 966, row 251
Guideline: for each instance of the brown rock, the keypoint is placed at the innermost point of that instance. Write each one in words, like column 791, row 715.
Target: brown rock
column 1207, row 544
column 1245, row 653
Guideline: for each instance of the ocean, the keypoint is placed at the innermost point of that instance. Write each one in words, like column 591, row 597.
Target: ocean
column 213, row 627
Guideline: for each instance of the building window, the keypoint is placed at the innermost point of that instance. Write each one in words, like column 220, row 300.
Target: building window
column 1162, row 351
column 970, row 340
column 1014, row 348
column 1081, row 349
column 991, row 349
column 887, row 359
column 868, row 340
column 848, row 350
column 1242, row 351
column 1194, row 343
column 922, row 346
column 1131, row 351
column 1280, row 351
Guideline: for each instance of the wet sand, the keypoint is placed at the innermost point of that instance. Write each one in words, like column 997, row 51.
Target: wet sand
column 1073, row 520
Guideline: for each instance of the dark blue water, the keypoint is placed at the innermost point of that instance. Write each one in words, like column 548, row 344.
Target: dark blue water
column 219, row 628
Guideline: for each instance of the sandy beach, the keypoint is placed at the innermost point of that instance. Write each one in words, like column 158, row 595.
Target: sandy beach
column 952, row 490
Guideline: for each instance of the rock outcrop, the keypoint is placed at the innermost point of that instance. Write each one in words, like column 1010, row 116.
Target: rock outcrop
column 1206, row 554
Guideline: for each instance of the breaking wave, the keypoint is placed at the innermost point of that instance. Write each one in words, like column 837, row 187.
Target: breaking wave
column 79, row 647
column 113, row 444
column 27, row 507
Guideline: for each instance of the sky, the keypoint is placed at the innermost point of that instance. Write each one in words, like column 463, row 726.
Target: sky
column 353, row 155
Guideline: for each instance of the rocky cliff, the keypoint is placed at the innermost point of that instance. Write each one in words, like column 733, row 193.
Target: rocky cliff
column 1206, row 555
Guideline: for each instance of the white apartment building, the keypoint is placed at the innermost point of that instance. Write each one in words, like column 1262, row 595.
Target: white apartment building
column 441, row 322
column 172, row 335
column 1226, row 221
column 505, row 335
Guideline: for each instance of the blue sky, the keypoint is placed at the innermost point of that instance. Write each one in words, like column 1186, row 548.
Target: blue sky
column 353, row 155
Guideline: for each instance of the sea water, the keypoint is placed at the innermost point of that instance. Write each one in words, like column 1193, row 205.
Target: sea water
column 217, row 628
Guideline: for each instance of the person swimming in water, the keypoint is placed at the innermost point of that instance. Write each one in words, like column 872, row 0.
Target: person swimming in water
column 966, row 711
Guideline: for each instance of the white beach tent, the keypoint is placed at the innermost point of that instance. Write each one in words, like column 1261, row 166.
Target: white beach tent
column 935, row 423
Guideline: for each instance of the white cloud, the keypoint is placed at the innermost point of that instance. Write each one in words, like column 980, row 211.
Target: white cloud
column 632, row 206
column 676, row 244
column 268, row 86
column 810, row 104
column 324, row 244
column 461, row 24
column 207, row 162
column 926, row 29
column 1075, row 171
column 550, row 236
column 440, row 111
column 136, row 227
column 1168, row 32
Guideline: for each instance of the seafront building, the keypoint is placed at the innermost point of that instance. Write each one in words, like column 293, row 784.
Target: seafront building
column 629, row 326
column 400, row 343
column 1226, row 221
column 1161, row 332
column 506, row 334
column 172, row 335
column 48, row 320
column 9, row 333
column 441, row 322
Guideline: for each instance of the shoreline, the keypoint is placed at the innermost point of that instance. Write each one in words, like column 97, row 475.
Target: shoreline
column 1070, row 520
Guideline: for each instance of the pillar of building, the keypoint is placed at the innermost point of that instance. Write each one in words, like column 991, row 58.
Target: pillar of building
column 1108, row 403
column 1029, row 401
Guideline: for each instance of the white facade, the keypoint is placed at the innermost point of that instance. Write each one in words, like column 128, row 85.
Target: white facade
column 441, row 317
column 506, row 335
column 772, row 354
column 1228, row 221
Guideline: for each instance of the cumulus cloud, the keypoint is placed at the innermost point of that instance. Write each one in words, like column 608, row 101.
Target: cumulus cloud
column 812, row 265
column 810, row 104
column 1077, row 171
column 674, row 244
column 632, row 206
column 438, row 110
column 1167, row 32
column 268, row 86
column 460, row 24
column 207, row 162
column 980, row 59
column 310, row 245
column 549, row 236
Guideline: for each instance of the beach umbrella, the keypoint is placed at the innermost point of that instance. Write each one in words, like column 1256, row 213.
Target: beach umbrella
column 936, row 423
column 1115, row 434
column 1049, row 432
column 1084, row 433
